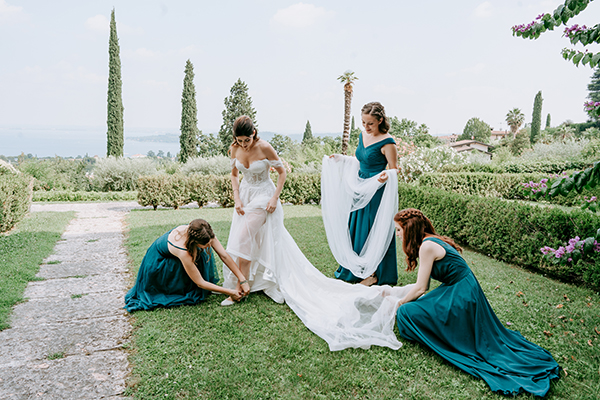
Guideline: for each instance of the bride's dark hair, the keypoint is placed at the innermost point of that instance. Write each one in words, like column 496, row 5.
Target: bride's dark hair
column 243, row 126
column 415, row 226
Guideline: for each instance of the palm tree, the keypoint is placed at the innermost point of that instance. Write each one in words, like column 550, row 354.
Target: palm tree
column 515, row 119
column 347, row 78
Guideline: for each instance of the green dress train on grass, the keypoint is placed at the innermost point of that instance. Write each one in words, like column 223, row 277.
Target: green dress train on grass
column 372, row 162
column 163, row 282
column 456, row 321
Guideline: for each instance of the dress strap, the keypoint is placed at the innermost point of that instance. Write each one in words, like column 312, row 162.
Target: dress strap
column 177, row 247
column 275, row 163
column 232, row 161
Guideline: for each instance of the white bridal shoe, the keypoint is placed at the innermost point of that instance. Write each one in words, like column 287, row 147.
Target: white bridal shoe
column 227, row 302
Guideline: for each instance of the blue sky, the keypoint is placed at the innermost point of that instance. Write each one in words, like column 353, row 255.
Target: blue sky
column 435, row 62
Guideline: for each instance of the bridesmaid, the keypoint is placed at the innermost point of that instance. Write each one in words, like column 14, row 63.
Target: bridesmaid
column 456, row 321
column 179, row 268
column 376, row 150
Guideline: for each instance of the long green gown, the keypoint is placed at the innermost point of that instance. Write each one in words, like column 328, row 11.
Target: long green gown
column 163, row 282
column 456, row 321
column 372, row 162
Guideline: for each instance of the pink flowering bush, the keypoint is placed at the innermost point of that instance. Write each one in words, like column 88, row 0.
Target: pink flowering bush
column 582, row 255
column 592, row 108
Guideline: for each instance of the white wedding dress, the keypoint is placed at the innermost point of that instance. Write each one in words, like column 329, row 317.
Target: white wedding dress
column 342, row 314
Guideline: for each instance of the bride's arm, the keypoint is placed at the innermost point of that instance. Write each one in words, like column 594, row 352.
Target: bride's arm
column 227, row 260
column 235, row 184
column 272, row 156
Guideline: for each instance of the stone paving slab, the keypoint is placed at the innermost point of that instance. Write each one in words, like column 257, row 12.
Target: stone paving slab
column 80, row 269
column 67, row 287
column 80, row 377
column 85, row 336
column 60, row 309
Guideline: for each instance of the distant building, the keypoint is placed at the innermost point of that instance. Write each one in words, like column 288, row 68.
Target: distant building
column 470, row 145
column 448, row 139
column 497, row 135
column 138, row 156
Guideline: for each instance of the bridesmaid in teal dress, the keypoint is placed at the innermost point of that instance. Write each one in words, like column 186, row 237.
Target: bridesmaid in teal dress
column 456, row 321
column 376, row 150
column 179, row 269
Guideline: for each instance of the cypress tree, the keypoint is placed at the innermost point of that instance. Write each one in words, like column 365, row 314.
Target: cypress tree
column 237, row 104
column 594, row 86
column 548, row 121
column 114, row 115
column 536, row 120
column 188, row 140
column 308, row 136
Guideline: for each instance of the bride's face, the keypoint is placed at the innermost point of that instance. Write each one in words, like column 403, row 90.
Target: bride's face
column 399, row 230
column 245, row 142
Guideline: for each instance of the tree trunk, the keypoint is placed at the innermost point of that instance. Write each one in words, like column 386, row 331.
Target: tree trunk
column 347, row 103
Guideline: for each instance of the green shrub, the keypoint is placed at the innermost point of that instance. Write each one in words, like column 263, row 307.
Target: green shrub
column 58, row 174
column 510, row 231
column 15, row 199
column 301, row 189
column 223, row 192
column 515, row 167
column 68, row 195
column 117, row 174
column 217, row 165
column 150, row 190
column 201, row 189
column 175, row 192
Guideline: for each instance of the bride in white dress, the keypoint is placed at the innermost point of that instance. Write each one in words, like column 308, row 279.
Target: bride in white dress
column 342, row 314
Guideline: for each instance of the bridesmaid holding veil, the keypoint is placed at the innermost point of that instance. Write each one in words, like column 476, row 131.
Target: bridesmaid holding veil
column 376, row 150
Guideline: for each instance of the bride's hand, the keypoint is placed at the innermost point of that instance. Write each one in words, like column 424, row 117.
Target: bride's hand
column 239, row 207
column 272, row 204
column 245, row 289
column 382, row 178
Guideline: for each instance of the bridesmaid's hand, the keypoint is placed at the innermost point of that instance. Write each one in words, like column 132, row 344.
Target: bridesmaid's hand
column 272, row 204
column 236, row 296
column 382, row 178
column 239, row 207
column 245, row 289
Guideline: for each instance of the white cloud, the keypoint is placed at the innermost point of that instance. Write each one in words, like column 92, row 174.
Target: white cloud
column 300, row 15
column 97, row 23
column 100, row 23
column 483, row 10
column 10, row 13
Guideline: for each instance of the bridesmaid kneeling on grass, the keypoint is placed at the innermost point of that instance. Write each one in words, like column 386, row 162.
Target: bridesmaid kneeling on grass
column 456, row 321
column 179, row 269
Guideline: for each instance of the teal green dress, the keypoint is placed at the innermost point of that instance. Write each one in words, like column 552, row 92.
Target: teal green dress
column 456, row 321
column 372, row 162
column 163, row 282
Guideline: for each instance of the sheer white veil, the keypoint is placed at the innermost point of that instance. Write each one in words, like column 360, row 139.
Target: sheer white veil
column 343, row 191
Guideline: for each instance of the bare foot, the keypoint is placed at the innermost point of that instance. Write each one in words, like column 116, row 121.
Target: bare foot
column 370, row 281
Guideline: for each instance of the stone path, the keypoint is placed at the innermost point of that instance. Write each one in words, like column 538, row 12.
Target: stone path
column 66, row 341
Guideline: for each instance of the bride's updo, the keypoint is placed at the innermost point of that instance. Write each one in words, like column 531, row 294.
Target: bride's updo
column 243, row 126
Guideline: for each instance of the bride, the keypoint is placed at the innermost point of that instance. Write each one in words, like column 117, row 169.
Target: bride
column 342, row 314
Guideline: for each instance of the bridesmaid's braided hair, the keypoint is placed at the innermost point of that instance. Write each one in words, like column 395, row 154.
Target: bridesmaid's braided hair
column 376, row 109
column 199, row 232
column 415, row 225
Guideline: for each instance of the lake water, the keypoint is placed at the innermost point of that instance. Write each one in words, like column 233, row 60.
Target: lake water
column 74, row 141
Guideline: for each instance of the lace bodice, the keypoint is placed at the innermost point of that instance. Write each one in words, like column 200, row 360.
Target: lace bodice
column 258, row 171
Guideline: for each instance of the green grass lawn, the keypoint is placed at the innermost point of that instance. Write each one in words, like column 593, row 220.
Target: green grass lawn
column 260, row 350
column 21, row 253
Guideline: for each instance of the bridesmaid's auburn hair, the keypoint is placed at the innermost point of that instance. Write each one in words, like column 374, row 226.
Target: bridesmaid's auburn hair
column 415, row 226
column 199, row 232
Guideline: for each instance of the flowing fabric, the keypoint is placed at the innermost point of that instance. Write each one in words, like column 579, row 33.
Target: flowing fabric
column 344, row 191
column 162, row 281
column 342, row 314
column 456, row 321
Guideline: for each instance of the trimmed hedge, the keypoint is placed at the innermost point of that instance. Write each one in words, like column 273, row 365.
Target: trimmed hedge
column 505, row 186
column 177, row 190
column 544, row 167
column 67, row 195
column 510, row 231
column 15, row 198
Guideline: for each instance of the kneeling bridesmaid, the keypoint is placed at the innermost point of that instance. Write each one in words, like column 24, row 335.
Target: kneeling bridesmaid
column 456, row 321
column 179, row 269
